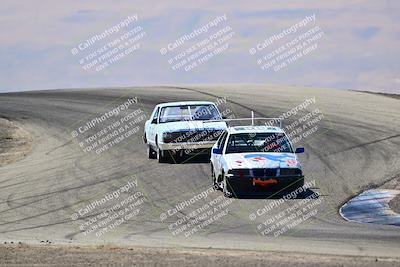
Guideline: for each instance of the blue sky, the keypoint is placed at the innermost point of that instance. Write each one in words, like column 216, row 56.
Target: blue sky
column 359, row 49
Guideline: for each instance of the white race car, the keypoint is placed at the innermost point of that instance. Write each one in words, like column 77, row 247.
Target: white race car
column 178, row 129
column 255, row 158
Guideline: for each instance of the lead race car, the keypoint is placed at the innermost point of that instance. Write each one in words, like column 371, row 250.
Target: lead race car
column 176, row 129
column 255, row 158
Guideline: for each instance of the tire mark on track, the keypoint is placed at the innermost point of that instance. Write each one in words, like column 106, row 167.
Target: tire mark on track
column 362, row 145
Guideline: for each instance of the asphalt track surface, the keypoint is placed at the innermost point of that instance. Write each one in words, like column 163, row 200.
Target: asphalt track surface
column 356, row 147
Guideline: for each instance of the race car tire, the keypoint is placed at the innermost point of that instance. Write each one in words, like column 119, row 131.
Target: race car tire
column 226, row 188
column 163, row 156
column 214, row 182
column 297, row 184
column 151, row 153
column 144, row 138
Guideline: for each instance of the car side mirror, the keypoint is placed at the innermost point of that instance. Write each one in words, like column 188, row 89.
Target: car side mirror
column 154, row 121
column 299, row 150
column 217, row 151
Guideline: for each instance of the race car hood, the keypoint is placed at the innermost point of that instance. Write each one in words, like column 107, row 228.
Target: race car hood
column 192, row 126
column 262, row 160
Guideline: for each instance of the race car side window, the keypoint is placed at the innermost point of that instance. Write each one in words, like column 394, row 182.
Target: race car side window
column 222, row 140
column 155, row 115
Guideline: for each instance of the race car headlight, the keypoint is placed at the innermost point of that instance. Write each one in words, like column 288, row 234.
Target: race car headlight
column 167, row 137
column 238, row 172
column 290, row 171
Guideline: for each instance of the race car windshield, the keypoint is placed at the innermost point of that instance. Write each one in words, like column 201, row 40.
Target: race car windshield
column 189, row 112
column 258, row 142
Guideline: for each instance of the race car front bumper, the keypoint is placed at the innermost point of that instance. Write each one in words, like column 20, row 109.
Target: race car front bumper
column 188, row 146
column 273, row 183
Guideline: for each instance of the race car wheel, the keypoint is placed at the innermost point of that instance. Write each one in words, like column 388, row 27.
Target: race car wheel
column 214, row 183
column 226, row 188
column 163, row 156
column 151, row 153
column 297, row 184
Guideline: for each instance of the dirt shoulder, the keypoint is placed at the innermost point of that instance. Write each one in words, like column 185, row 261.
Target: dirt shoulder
column 15, row 142
column 397, row 96
column 16, row 255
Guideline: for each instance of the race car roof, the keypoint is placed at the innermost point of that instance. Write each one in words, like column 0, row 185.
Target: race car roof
column 254, row 129
column 184, row 103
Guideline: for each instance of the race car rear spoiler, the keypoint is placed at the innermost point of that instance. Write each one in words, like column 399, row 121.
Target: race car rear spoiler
column 248, row 119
